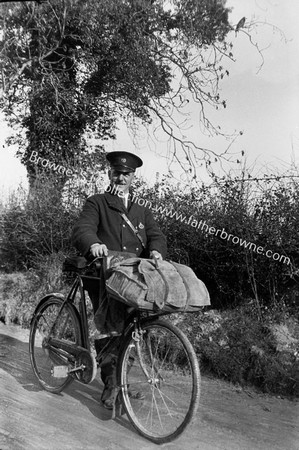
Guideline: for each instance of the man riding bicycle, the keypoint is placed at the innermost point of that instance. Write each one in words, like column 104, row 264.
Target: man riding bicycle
column 113, row 221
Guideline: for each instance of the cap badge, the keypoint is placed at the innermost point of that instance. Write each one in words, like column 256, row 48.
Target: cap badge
column 123, row 160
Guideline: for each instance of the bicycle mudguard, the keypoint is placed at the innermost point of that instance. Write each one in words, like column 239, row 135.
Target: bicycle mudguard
column 46, row 297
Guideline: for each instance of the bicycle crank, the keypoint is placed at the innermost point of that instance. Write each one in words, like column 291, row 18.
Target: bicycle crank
column 77, row 360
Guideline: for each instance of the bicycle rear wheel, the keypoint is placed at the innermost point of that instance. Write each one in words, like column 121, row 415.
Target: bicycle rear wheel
column 161, row 364
column 42, row 356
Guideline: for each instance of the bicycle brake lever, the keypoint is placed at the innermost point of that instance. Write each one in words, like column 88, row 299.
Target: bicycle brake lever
column 95, row 260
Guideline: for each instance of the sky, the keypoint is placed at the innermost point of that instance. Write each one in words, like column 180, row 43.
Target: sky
column 262, row 98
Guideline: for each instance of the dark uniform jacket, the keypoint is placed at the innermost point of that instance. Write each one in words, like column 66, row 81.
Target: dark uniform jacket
column 101, row 222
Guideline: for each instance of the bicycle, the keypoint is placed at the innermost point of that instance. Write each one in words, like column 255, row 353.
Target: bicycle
column 155, row 357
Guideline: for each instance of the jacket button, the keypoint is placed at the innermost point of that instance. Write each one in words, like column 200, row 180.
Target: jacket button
column 137, row 248
column 124, row 225
column 125, row 248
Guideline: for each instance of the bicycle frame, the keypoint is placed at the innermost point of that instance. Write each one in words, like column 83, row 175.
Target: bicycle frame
column 78, row 285
column 132, row 324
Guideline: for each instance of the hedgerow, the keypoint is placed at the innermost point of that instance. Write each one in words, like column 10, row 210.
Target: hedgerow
column 251, row 295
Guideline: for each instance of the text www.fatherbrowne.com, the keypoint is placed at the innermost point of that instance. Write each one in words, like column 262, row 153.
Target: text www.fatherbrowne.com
column 191, row 221
column 204, row 227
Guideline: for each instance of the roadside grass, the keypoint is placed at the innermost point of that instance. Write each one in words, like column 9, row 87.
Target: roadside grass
column 238, row 344
column 241, row 347
column 20, row 292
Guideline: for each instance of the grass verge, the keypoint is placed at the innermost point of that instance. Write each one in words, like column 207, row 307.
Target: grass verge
column 236, row 344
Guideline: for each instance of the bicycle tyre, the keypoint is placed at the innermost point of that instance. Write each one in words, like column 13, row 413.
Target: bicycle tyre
column 170, row 382
column 67, row 328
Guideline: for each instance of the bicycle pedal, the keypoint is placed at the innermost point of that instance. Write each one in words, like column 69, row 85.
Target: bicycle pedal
column 59, row 371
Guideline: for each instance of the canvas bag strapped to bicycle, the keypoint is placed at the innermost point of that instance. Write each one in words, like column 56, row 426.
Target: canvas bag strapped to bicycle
column 167, row 286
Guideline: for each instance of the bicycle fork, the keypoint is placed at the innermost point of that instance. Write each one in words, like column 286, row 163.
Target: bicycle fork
column 143, row 349
column 153, row 378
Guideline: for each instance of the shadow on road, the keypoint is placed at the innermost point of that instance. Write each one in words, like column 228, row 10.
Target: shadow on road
column 15, row 360
column 228, row 416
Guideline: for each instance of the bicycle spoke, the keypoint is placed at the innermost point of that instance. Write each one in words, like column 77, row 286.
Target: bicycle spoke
column 163, row 396
column 157, row 409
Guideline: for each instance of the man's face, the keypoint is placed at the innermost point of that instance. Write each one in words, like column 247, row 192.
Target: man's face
column 122, row 180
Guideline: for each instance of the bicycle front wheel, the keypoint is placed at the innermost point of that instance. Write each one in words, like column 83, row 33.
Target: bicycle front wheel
column 43, row 357
column 159, row 377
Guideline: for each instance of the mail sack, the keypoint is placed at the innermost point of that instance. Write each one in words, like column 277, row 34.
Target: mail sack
column 164, row 285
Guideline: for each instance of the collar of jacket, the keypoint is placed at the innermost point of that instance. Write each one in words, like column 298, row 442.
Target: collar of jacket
column 115, row 202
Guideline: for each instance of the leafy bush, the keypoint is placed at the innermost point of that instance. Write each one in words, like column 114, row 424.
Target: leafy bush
column 22, row 291
column 38, row 226
column 267, row 217
column 240, row 347
column 235, row 344
column 42, row 226
column 250, row 293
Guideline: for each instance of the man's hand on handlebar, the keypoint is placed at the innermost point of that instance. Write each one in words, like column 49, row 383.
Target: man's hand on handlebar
column 154, row 254
column 98, row 250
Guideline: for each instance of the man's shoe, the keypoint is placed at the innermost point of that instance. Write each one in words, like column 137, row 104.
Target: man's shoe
column 109, row 391
column 109, row 402
column 108, row 396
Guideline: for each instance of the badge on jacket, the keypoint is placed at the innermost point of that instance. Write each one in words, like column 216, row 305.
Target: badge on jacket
column 141, row 226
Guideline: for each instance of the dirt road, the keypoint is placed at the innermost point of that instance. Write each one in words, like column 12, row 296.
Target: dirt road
column 30, row 418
